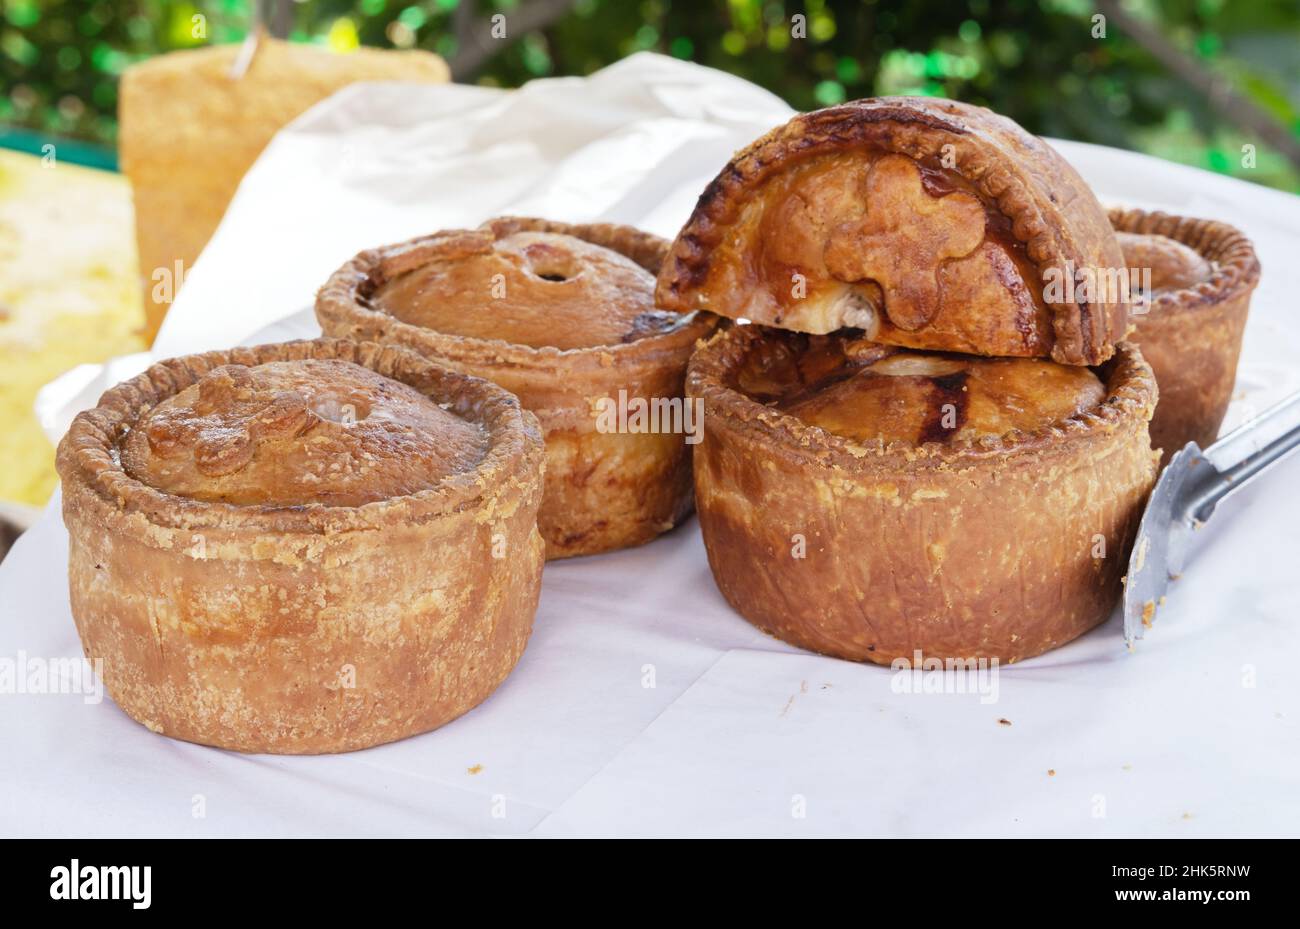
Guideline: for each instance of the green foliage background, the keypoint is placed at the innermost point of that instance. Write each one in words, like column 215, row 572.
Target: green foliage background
column 1035, row 60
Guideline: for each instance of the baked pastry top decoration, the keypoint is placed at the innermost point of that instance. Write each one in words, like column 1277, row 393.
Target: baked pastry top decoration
column 904, row 240
column 290, row 433
column 1201, row 275
column 925, row 223
column 872, row 503
column 301, row 548
column 564, row 317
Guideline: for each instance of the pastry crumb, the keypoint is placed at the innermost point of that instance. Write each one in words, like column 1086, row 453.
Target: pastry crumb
column 1051, row 772
column 1143, row 544
column 1148, row 613
column 474, row 769
column 1004, row 722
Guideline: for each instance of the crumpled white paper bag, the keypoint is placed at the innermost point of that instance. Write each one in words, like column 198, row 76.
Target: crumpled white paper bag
column 378, row 163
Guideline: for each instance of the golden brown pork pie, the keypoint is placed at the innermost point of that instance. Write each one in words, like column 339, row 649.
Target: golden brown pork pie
column 564, row 317
column 1200, row 275
column 925, row 223
column 870, row 502
column 301, row 548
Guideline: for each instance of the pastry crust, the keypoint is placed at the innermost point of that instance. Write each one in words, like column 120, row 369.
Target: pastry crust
column 929, row 223
column 1190, row 334
column 304, row 628
column 604, row 490
column 993, row 547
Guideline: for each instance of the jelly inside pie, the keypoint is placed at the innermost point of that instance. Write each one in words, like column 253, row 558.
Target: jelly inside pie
column 298, row 432
column 863, row 391
column 527, row 288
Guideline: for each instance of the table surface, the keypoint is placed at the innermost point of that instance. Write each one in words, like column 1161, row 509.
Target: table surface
column 644, row 705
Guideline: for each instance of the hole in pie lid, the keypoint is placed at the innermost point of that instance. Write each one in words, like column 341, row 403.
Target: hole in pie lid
column 550, row 263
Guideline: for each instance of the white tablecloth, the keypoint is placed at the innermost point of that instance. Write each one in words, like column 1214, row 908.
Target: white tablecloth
column 644, row 705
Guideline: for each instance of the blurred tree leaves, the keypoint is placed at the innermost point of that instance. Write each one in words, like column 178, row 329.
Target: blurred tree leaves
column 1034, row 60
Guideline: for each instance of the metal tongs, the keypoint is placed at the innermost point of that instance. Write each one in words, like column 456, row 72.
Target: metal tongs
column 1184, row 498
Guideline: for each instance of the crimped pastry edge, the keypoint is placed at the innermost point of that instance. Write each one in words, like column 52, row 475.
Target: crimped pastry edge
column 1236, row 266
column 88, row 454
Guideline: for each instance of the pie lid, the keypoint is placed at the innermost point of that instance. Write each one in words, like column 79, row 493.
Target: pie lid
column 1234, row 266
column 501, row 444
column 345, row 304
column 869, row 214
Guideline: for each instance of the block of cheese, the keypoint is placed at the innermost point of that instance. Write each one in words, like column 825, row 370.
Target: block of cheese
column 189, row 130
column 68, row 296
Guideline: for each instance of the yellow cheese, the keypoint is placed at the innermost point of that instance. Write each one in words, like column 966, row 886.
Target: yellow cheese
column 68, row 295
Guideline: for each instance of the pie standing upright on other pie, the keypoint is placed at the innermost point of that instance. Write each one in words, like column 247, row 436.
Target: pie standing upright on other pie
column 564, row 317
column 1201, row 277
column 950, row 455
column 302, row 548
